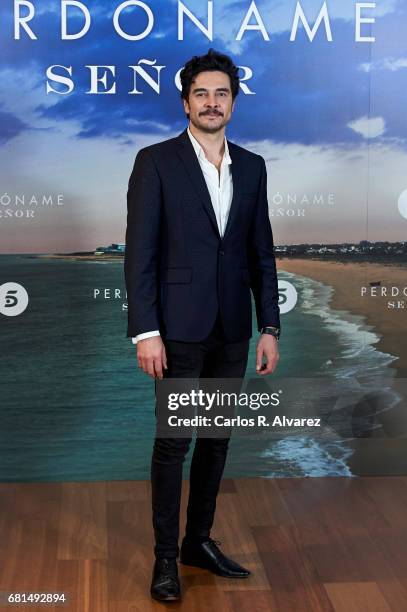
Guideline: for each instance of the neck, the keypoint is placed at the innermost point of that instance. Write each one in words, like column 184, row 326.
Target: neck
column 212, row 143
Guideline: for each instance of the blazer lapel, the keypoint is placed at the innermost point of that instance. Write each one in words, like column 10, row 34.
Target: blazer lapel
column 187, row 153
column 237, row 179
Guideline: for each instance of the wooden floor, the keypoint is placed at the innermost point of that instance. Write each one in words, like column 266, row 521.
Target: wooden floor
column 312, row 544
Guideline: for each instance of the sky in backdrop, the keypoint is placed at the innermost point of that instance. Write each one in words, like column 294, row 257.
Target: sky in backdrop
column 328, row 117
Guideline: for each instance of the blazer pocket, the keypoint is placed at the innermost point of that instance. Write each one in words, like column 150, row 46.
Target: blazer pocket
column 176, row 275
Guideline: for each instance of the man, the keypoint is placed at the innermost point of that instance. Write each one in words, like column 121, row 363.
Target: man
column 198, row 238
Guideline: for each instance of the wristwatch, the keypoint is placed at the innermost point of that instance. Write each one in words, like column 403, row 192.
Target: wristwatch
column 273, row 331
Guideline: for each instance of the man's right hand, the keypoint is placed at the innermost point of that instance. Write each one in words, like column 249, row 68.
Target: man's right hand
column 151, row 356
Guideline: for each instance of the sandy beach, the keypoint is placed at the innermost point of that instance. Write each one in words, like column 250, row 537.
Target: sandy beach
column 348, row 281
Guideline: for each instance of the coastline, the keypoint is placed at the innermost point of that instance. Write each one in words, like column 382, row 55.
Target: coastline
column 347, row 279
column 82, row 257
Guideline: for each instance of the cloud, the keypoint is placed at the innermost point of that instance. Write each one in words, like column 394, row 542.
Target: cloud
column 365, row 207
column 305, row 92
column 287, row 91
column 277, row 17
column 368, row 127
column 93, row 179
column 10, row 127
column 389, row 63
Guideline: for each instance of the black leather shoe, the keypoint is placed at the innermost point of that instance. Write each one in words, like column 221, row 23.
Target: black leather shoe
column 165, row 583
column 206, row 554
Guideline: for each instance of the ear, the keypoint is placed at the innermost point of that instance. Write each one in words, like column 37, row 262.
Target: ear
column 186, row 105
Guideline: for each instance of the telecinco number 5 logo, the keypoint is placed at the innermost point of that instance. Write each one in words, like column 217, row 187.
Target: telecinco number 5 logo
column 287, row 296
column 13, row 299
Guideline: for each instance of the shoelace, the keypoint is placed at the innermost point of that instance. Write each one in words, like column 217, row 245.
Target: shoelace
column 211, row 541
column 169, row 572
column 168, row 568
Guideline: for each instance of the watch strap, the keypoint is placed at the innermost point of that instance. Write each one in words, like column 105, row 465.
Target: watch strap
column 272, row 331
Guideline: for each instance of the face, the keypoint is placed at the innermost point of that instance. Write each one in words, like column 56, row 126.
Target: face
column 210, row 103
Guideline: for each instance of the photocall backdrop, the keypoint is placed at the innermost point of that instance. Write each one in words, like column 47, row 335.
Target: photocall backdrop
column 323, row 98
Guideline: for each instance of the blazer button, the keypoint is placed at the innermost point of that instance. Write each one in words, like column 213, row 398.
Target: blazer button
column 221, row 252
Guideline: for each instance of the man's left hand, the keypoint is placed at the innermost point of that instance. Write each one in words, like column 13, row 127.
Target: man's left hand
column 267, row 346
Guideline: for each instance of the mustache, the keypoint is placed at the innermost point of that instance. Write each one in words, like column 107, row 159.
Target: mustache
column 211, row 113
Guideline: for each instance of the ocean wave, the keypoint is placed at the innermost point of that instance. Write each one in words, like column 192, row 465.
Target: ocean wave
column 359, row 357
column 309, row 457
column 364, row 383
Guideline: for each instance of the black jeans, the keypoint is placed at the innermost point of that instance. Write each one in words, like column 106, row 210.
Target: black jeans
column 211, row 358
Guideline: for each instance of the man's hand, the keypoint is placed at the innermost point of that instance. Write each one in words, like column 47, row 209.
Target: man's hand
column 151, row 356
column 267, row 346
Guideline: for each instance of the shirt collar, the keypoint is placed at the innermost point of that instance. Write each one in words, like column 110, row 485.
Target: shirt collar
column 200, row 152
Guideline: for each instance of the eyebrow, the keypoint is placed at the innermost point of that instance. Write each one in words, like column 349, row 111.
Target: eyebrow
column 197, row 89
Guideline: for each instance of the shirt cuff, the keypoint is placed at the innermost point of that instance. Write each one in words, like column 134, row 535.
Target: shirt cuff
column 145, row 335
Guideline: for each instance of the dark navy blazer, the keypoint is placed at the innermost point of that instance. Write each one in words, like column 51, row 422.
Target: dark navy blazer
column 179, row 271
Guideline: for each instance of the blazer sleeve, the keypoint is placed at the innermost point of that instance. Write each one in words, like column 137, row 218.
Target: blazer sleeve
column 261, row 260
column 144, row 201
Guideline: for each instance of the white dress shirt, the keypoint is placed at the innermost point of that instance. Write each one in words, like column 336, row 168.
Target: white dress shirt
column 220, row 187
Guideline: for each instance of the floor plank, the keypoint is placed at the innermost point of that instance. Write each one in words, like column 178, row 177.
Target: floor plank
column 312, row 545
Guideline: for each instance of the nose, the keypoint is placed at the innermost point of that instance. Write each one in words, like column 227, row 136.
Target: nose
column 211, row 101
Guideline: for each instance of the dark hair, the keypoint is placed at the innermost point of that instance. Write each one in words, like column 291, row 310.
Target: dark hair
column 213, row 60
